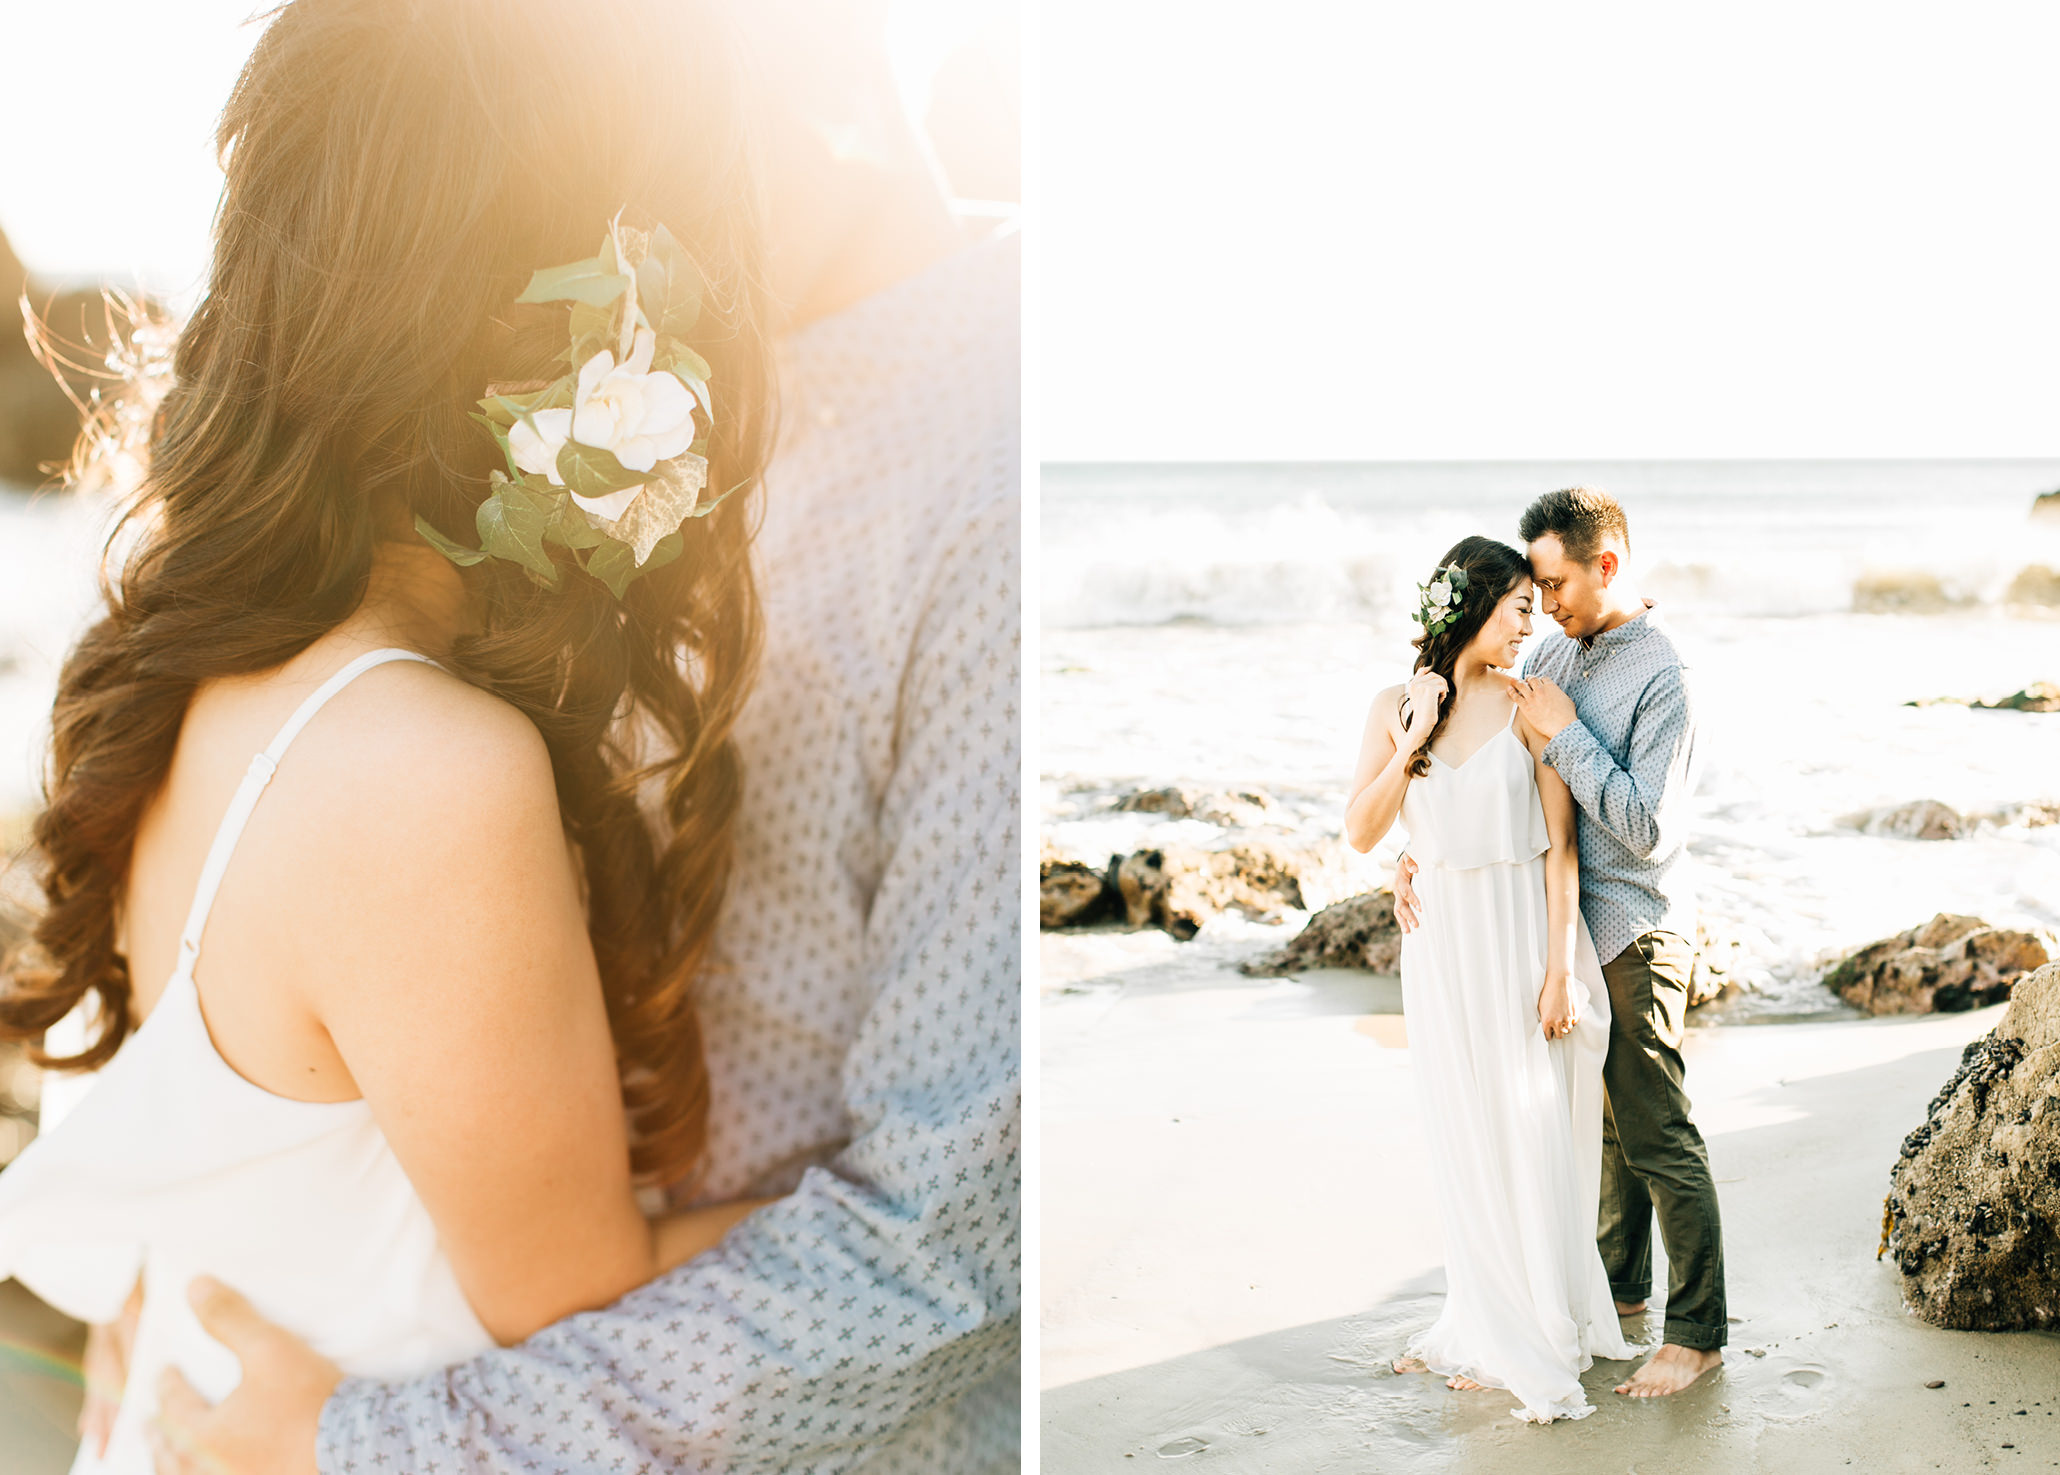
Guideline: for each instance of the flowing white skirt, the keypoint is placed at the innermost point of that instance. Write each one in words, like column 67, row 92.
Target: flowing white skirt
column 1514, row 1123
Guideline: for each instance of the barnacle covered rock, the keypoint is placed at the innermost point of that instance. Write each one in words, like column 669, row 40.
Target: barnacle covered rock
column 1974, row 1200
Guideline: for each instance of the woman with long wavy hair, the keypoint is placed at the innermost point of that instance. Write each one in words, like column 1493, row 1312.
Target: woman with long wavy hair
column 1502, row 994
column 444, row 1023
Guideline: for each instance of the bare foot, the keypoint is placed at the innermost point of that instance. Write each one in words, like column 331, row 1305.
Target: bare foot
column 1669, row 1370
column 1409, row 1365
column 1461, row 1385
column 1630, row 1308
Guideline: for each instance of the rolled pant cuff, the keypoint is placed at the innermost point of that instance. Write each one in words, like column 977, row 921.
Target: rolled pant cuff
column 1700, row 1338
column 1631, row 1293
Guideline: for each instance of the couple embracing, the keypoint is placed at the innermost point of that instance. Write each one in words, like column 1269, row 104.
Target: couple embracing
column 499, row 1020
column 1546, row 960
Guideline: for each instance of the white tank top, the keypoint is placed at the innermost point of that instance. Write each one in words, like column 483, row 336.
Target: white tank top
column 169, row 1163
column 1484, row 812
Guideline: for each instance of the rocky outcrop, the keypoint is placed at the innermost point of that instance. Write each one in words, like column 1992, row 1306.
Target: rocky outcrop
column 1072, row 893
column 1921, row 819
column 2040, row 696
column 37, row 423
column 1949, row 964
column 1974, row 1200
column 1358, row 932
column 2037, row 585
column 1243, row 809
column 1717, row 961
column 1221, row 850
column 1927, row 819
column 1361, row 932
column 2030, row 816
column 1179, row 888
column 2046, row 507
column 1901, row 592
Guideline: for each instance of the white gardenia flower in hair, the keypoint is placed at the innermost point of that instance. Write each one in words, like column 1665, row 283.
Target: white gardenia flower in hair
column 641, row 418
column 1441, row 594
column 536, row 441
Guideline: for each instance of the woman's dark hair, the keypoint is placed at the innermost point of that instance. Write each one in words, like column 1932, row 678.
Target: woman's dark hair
column 1492, row 570
column 395, row 170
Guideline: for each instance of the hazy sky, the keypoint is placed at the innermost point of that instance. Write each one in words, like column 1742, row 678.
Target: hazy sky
column 109, row 108
column 1301, row 230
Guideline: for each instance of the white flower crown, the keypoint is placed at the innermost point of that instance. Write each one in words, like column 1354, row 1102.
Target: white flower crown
column 1441, row 598
column 606, row 461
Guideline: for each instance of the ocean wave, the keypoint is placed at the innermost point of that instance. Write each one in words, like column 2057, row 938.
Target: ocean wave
column 1307, row 562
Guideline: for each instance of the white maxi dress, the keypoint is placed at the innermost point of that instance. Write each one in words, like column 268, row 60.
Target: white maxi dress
column 167, row 1164
column 1513, row 1120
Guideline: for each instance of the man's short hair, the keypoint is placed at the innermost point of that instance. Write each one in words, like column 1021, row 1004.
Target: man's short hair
column 1580, row 517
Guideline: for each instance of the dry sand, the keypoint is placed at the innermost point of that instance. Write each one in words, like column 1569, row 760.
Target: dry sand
column 1238, row 1235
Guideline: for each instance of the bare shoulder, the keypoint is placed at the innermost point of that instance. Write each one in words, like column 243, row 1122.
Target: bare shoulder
column 408, row 853
column 410, row 795
column 1532, row 739
column 1529, row 736
column 1525, row 733
column 408, row 743
column 425, row 854
column 1386, row 713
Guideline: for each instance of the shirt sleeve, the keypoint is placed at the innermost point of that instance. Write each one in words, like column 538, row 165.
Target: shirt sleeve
column 1642, row 806
column 888, row 1284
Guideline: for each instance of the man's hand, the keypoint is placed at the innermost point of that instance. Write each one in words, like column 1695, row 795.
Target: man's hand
column 1408, row 914
column 1545, row 707
column 269, row 1424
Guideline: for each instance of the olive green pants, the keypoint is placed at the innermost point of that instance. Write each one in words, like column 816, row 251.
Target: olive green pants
column 1653, row 1158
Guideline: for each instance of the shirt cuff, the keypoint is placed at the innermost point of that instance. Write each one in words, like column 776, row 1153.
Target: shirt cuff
column 1572, row 747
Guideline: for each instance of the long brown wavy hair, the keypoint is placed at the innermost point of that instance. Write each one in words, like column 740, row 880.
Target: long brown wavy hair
column 395, row 170
column 1492, row 570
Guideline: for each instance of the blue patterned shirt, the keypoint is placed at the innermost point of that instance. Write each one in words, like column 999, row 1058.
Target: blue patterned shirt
column 863, row 1026
column 1630, row 760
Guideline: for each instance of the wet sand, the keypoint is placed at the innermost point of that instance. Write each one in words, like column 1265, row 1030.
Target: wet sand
column 1237, row 1236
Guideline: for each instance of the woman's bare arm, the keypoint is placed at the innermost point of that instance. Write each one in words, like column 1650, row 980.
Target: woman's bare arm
column 445, row 952
column 686, row 1234
column 1380, row 777
column 1562, row 860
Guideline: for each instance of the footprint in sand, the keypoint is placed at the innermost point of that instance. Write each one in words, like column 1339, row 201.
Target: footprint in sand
column 1797, row 1390
column 1181, row 1448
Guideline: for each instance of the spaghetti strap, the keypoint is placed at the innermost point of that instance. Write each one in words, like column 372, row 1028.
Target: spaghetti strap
column 259, row 774
column 148, row 1177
